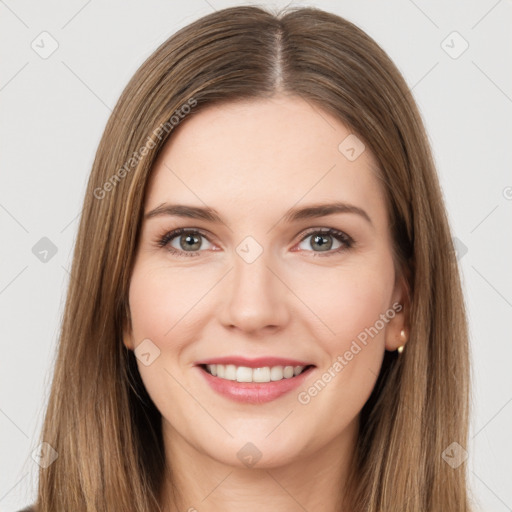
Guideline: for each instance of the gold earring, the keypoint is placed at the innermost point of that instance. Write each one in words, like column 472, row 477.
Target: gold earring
column 400, row 349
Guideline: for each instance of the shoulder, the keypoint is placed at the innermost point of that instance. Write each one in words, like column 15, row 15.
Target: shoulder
column 28, row 509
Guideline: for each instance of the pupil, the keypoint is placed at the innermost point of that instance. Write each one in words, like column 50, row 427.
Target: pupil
column 190, row 242
column 321, row 241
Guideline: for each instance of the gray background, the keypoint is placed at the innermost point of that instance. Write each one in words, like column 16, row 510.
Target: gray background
column 54, row 111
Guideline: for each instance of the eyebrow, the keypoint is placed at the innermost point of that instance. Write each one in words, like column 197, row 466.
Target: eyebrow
column 292, row 215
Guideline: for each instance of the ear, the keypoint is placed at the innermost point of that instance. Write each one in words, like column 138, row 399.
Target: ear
column 397, row 330
column 127, row 330
column 128, row 341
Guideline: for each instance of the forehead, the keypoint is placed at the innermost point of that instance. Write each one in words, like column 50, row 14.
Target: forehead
column 263, row 155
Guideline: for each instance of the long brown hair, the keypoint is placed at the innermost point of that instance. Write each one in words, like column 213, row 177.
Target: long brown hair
column 100, row 419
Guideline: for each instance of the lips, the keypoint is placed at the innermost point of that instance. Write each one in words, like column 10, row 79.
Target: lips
column 270, row 387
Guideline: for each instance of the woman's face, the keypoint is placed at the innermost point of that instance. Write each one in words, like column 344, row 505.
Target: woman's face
column 266, row 282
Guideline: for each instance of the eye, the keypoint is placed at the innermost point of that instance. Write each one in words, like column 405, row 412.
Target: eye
column 322, row 239
column 183, row 242
column 189, row 242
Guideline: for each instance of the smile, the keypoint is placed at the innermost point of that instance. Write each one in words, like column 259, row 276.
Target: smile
column 246, row 374
column 253, row 385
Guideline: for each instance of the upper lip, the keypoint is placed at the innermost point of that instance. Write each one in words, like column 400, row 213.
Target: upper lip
column 259, row 362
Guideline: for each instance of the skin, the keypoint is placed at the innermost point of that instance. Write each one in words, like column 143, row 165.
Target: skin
column 251, row 161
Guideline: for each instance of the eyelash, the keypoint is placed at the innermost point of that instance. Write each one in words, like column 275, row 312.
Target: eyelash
column 347, row 241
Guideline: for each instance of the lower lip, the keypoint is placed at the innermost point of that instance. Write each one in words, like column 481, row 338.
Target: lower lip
column 254, row 392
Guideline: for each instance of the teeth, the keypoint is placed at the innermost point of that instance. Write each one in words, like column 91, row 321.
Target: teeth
column 288, row 372
column 261, row 374
column 276, row 373
column 230, row 372
column 245, row 374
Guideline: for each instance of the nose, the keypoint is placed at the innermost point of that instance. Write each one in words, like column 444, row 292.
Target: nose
column 256, row 299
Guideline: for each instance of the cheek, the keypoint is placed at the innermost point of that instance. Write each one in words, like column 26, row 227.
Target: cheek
column 352, row 303
column 344, row 382
column 160, row 305
column 349, row 300
column 161, row 301
column 168, row 306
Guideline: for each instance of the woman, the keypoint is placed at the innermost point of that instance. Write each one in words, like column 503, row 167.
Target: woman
column 264, row 306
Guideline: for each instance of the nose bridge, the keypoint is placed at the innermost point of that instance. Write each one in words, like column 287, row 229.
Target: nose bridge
column 256, row 297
